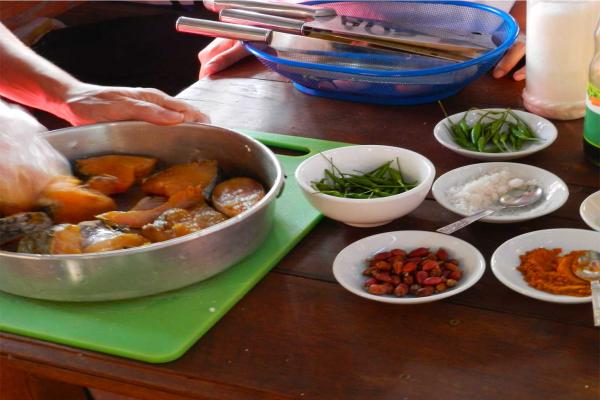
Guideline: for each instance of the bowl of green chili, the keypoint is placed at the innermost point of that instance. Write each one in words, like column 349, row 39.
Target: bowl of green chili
column 365, row 185
column 495, row 134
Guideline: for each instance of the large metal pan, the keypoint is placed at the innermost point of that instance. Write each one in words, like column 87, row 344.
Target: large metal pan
column 161, row 266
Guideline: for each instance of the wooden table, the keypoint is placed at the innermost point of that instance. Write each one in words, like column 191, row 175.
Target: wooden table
column 300, row 335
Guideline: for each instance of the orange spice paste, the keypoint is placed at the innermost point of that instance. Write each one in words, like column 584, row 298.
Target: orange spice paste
column 545, row 269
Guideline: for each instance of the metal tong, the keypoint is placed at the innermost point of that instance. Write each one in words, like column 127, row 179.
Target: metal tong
column 326, row 24
column 280, row 41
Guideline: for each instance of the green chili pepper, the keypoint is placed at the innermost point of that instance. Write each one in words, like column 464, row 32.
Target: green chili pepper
column 380, row 182
column 481, row 143
column 475, row 132
column 493, row 131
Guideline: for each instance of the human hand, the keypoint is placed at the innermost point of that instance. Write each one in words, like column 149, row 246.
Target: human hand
column 28, row 161
column 85, row 104
column 220, row 54
column 510, row 60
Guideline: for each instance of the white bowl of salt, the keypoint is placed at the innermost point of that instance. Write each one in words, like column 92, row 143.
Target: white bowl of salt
column 469, row 189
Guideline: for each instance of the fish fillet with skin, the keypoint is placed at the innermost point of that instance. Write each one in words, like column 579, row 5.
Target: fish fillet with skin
column 138, row 218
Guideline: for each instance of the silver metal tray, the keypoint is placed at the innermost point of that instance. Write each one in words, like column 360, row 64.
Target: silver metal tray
column 161, row 266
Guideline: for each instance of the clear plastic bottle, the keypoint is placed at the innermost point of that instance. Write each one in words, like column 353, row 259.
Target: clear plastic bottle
column 559, row 48
column 591, row 125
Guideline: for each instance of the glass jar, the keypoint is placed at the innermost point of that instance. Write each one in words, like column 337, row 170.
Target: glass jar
column 559, row 49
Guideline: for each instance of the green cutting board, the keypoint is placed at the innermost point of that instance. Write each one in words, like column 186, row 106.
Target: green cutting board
column 161, row 328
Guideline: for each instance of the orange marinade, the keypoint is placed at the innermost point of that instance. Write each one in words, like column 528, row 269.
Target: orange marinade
column 545, row 269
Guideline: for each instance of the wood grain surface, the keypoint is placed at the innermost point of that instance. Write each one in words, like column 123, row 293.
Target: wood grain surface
column 299, row 335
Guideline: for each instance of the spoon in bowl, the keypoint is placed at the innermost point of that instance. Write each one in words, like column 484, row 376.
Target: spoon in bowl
column 517, row 197
column 588, row 268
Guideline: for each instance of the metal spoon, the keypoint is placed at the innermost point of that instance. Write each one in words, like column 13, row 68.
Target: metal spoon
column 588, row 268
column 517, row 197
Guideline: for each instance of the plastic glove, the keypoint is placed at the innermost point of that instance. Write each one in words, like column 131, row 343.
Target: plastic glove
column 85, row 104
column 27, row 163
column 220, row 54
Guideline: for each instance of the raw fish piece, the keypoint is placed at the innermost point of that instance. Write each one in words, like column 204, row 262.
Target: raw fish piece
column 68, row 202
column 21, row 224
column 236, row 195
column 109, row 184
column 97, row 237
column 205, row 216
column 59, row 239
column 138, row 218
column 86, row 237
column 149, row 202
column 180, row 176
column 115, row 173
column 170, row 224
column 178, row 222
column 119, row 241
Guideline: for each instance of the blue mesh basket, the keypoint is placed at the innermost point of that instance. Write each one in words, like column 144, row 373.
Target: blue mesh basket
column 396, row 79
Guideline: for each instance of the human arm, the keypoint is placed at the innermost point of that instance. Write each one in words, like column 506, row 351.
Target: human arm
column 29, row 79
column 517, row 51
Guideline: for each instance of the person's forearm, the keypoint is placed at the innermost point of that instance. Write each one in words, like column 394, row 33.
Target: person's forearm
column 29, row 79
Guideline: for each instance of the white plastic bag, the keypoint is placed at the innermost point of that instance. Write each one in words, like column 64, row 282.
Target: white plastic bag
column 27, row 161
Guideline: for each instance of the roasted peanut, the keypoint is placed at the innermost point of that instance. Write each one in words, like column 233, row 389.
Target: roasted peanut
column 401, row 290
column 416, row 260
column 424, row 291
column 370, row 281
column 382, row 265
column 398, row 252
column 432, row 281
column 414, row 288
column 369, row 271
column 428, row 265
column 451, row 283
column 397, row 266
column 393, row 259
column 431, row 256
column 382, row 276
column 456, row 275
column 382, row 256
column 420, row 252
column 385, row 288
column 409, row 267
column 420, row 276
column 450, row 266
column 408, row 278
column 442, row 254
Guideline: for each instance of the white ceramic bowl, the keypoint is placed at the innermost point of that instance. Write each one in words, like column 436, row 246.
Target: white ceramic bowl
column 505, row 259
column 555, row 195
column 350, row 262
column 543, row 128
column 590, row 210
column 366, row 212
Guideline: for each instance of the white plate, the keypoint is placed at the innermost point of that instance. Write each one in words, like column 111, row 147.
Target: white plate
column 556, row 192
column 350, row 262
column 543, row 128
column 505, row 259
column 590, row 211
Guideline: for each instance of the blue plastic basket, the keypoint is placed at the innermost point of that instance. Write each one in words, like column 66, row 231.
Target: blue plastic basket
column 399, row 79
